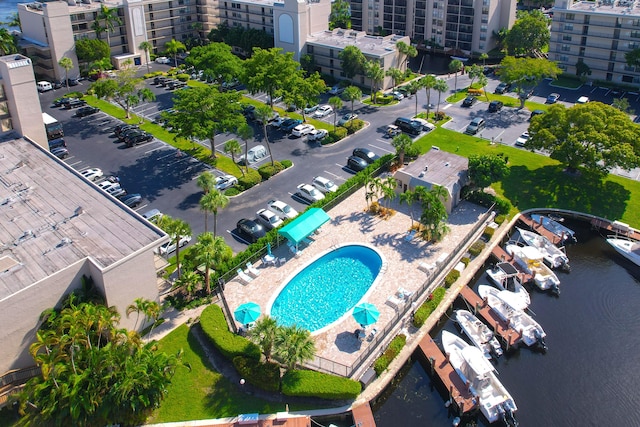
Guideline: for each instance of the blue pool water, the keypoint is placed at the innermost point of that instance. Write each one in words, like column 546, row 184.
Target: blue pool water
column 327, row 288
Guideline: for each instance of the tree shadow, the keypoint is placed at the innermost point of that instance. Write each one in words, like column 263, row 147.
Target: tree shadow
column 551, row 186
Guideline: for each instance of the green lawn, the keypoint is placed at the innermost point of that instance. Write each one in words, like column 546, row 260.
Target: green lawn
column 508, row 101
column 538, row 181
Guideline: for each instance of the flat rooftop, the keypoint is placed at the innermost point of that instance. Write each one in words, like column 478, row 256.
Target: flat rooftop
column 439, row 167
column 52, row 218
column 369, row 45
column 608, row 7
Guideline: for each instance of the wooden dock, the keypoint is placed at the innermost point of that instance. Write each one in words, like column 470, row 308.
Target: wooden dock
column 509, row 336
column 615, row 228
column 502, row 256
column 458, row 391
column 534, row 226
column 363, row 416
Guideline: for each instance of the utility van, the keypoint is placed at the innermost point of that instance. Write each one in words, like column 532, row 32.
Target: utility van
column 44, row 86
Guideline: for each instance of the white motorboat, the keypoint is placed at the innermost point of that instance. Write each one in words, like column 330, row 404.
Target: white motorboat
column 630, row 249
column 531, row 260
column 514, row 300
column 505, row 276
column 553, row 255
column 565, row 234
column 531, row 331
column 494, row 400
column 479, row 333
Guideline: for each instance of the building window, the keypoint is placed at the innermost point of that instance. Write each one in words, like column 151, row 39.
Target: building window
column 483, row 37
column 563, row 58
column 5, row 125
column 483, row 28
column 635, row 34
column 635, row 22
column 634, row 45
column 566, row 38
column 570, row 16
column 150, row 7
column 565, row 48
column 568, row 27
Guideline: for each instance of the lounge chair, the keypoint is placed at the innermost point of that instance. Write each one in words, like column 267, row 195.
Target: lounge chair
column 282, row 260
column 394, row 301
column 409, row 237
column 403, row 293
column 372, row 335
column 243, row 276
column 426, row 267
column 252, row 270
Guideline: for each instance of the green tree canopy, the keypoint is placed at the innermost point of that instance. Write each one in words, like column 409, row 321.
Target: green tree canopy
column 216, row 61
column 353, row 61
column 7, row 42
column 633, row 57
column 270, row 71
column 595, row 136
column 486, row 169
column 529, row 34
column 304, row 91
column 91, row 50
column 125, row 89
column 173, row 47
column 526, row 73
column 244, row 38
column 340, row 16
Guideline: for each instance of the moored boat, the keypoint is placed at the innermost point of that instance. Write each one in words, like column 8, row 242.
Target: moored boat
column 553, row 256
column 479, row 333
column 531, row 260
column 479, row 374
column 565, row 234
column 630, row 249
column 505, row 276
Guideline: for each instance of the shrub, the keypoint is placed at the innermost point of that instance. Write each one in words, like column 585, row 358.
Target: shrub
column 286, row 163
column 263, row 375
column 499, row 219
column 232, row 191
column 422, row 314
column 249, row 179
column 488, row 233
column 353, row 126
column 268, row 170
column 465, row 260
column 476, row 248
column 383, row 362
column 412, row 153
column 318, row 384
column 451, row 278
column 485, row 199
column 335, row 135
column 215, row 327
column 439, row 115
column 183, row 77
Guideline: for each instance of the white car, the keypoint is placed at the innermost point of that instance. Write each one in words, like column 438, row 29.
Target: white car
column 225, row 181
column 107, row 184
column 317, row 135
column 396, row 95
column 324, row 184
column 162, row 60
column 92, row 174
column 336, row 90
column 302, row 129
column 170, row 246
column 309, row 193
column 268, row 219
column 282, row 209
column 323, row 111
column 522, row 139
column 276, row 122
column 427, row 126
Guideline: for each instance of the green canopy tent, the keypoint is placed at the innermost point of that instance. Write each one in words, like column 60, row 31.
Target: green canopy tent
column 301, row 227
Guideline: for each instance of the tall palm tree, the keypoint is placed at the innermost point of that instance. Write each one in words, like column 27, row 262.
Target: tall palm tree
column 210, row 251
column 408, row 197
column 233, row 147
column 484, row 56
column 375, row 73
column 67, row 64
column 454, row 67
column 262, row 113
column 211, row 202
column 172, row 47
column 206, row 181
column 336, row 104
column 407, row 50
column 413, row 87
column 138, row 306
column 352, row 94
column 484, row 81
column 388, row 188
column 146, row 47
column 176, row 229
column 428, row 82
column 401, row 143
column 188, row 281
column 110, row 18
column 294, row 345
column 263, row 334
column 152, row 312
column 396, row 74
column 440, row 86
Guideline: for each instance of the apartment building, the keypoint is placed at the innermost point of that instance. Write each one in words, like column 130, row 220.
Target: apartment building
column 459, row 27
column 597, row 33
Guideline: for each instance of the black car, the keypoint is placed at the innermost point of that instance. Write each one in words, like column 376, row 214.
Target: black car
column 73, row 82
column 61, row 153
column 128, row 133
column 469, row 101
column 123, row 128
column 131, row 200
column 76, row 103
column 251, row 230
column 86, row 111
column 59, row 102
column 366, row 154
column 138, row 138
column 495, row 106
column 158, row 79
column 503, row 87
column 356, row 163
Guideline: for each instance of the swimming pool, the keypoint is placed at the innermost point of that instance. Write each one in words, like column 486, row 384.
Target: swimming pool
column 326, row 289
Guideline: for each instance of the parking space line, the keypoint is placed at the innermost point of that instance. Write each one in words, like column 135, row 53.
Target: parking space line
column 140, row 207
column 383, row 149
column 154, row 149
column 446, row 106
column 72, row 164
column 333, row 174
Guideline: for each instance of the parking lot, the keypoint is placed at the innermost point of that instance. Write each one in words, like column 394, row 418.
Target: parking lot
column 166, row 180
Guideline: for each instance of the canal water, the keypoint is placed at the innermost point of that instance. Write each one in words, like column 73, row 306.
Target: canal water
column 588, row 377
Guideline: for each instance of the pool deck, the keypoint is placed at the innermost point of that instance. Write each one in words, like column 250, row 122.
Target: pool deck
column 350, row 223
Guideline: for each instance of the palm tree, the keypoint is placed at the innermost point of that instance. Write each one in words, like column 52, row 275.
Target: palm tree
column 262, row 113
column 484, row 56
column 206, row 181
column 454, row 67
column 188, row 281
column 484, row 81
column 336, row 104
column 211, row 202
column 407, row 50
column 413, row 87
column 396, row 74
column 263, row 334
column 67, row 64
column 176, row 229
column 14, row 21
column 294, row 345
column 401, row 143
column 440, row 86
column 97, row 28
column 408, row 197
column 375, row 73
column 211, row 250
column 352, row 94
column 172, row 47
column 110, row 18
column 233, row 147
column 428, row 83
column 146, row 47
column 388, row 188
column 152, row 311
column 138, row 306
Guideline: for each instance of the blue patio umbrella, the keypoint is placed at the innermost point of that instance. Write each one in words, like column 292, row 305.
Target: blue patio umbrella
column 247, row 313
column 269, row 249
column 365, row 314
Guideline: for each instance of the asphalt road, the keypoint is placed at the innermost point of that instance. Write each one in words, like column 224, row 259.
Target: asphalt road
column 167, row 182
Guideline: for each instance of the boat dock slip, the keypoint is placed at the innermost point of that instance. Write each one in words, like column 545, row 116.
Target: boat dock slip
column 616, row 227
column 363, row 416
column 534, row 226
column 502, row 255
column 498, row 325
column 458, row 391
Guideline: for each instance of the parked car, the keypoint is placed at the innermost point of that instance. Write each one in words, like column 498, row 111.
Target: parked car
column 92, row 174
column 282, row 209
column 391, row 131
column 60, row 152
column 268, row 219
column 346, row 119
column 475, row 126
column 426, row 126
column 503, row 87
column 312, row 109
column 289, row 124
column 86, row 111
column 153, row 215
column 582, row 100
column 76, row 103
column 250, row 230
column 66, row 101
column 253, row 155
column 356, row 163
column 323, row 111
column 336, row 90
column 73, row 82
column 309, row 193
column 553, row 98
column 132, row 200
column 522, row 139
column 225, row 181
column 170, row 246
column 276, row 122
column 408, row 126
column 162, row 60
column 366, row 154
column 317, row 135
column 325, row 185
column 108, row 183
column 129, row 133
column 302, row 129
column 138, row 138
column 495, row 106
column 122, row 128
column 535, row 113
column 469, row 101
column 398, row 96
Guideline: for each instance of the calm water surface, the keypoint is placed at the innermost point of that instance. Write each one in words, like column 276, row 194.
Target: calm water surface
column 589, row 376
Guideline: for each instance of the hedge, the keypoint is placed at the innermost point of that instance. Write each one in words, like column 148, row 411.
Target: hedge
column 268, row 170
column 214, row 326
column 451, row 277
column 488, row 232
column 263, row 375
column 335, row 135
column 249, row 179
column 183, row 77
column 395, row 347
column 286, row 163
column 353, row 126
column 317, row 384
column 476, row 248
column 422, row 314
column 481, row 198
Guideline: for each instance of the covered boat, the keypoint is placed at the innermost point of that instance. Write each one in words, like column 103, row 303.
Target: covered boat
column 531, row 260
column 505, row 277
column 565, row 234
column 479, row 333
column 553, row 256
column 630, row 249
